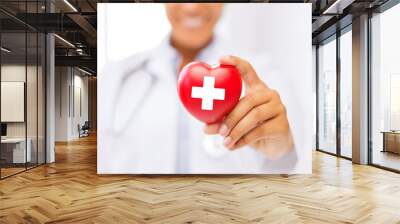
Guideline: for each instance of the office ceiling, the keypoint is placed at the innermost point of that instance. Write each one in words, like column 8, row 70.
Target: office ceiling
column 76, row 22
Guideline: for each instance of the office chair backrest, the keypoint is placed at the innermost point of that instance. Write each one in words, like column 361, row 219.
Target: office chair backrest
column 86, row 125
column 3, row 129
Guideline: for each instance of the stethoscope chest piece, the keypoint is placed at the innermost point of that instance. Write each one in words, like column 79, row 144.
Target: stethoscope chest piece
column 213, row 146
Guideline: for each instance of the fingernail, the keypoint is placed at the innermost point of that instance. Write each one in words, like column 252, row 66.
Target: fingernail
column 223, row 130
column 227, row 141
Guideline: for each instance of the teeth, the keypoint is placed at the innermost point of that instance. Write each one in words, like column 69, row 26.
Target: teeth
column 193, row 22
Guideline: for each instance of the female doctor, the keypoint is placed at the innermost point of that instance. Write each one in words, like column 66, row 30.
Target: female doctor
column 143, row 128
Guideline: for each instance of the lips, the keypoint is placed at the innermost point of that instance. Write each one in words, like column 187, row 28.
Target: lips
column 193, row 22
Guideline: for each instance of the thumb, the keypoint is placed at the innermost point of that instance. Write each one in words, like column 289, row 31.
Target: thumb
column 247, row 71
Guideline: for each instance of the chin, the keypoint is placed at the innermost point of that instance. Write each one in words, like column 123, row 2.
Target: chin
column 196, row 43
column 193, row 38
column 196, row 46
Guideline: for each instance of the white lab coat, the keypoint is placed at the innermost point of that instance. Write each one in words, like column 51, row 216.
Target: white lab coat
column 144, row 129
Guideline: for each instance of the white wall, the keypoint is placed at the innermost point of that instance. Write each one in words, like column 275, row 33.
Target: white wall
column 61, row 103
column 79, row 117
column 70, row 83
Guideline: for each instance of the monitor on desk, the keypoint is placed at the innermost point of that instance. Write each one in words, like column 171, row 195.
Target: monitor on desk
column 3, row 130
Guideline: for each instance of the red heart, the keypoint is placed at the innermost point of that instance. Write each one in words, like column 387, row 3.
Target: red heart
column 209, row 93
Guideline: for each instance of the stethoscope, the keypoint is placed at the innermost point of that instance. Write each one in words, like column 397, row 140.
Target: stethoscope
column 117, row 131
column 212, row 144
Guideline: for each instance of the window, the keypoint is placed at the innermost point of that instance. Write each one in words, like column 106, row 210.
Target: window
column 385, row 89
column 327, row 96
column 346, row 94
column 394, row 102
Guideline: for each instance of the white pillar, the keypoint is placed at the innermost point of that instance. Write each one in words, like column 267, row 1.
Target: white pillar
column 50, row 99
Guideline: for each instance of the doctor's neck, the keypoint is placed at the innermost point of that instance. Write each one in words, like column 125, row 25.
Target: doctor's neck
column 188, row 54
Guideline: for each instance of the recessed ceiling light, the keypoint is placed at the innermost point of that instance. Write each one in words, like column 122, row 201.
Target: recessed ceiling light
column 70, row 5
column 5, row 50
column 84, row 71
column 64, row 40
column 337, row 7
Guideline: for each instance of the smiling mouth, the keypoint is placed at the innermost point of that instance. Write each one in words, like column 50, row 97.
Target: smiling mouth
column 193, row 22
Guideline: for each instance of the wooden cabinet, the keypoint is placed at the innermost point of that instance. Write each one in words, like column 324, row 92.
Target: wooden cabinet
column 391, row 142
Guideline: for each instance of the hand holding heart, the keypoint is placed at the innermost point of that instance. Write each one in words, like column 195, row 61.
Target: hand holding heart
column 259, row 119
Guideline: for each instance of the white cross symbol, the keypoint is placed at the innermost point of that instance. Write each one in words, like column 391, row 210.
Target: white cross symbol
column 208, row 93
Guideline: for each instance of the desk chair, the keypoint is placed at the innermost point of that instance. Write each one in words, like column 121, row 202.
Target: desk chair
column 84, row 130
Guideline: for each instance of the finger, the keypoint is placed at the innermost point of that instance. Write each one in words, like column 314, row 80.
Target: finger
column 212, row 129
column 254, row 118
column 254, row 135
column 273, row 131
column 242, row 108
column 247, row 72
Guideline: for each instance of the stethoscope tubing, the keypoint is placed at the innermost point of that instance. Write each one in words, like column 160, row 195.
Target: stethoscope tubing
column 117, row 131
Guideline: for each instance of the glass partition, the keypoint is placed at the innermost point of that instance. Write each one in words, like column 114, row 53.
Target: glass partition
column 327, row 96
column 33, row 72
column 32, row 95
column 14, row 155
column 41, row 107
column 22, row 77
column 346, row 94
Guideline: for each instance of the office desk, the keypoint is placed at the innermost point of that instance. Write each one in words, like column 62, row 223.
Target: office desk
column 13, row 150
column 391, row 141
